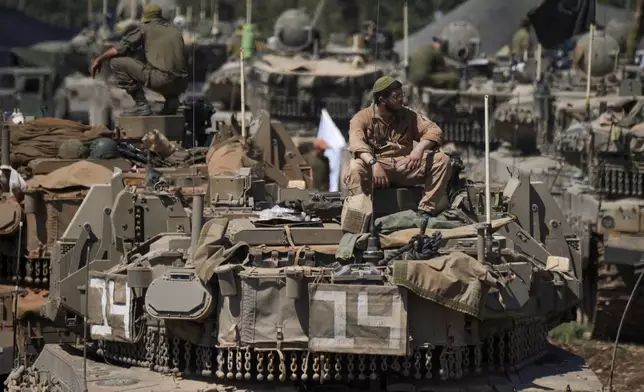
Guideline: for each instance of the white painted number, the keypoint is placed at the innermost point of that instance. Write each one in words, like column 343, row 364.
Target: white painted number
column 392, row 322
column 339, row 299
column 107, row 296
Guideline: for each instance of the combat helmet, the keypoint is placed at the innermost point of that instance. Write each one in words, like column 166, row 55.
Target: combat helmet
column 104, row 148
column 72, row 149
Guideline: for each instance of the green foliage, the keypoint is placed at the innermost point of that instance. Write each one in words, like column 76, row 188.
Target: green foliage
column 569, row 332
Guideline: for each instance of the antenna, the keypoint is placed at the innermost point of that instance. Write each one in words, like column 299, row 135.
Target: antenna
column 488, row 213
column 243, row 94
column 590, row 62
column 16, row 357
column 406, row 32
column 488, row 207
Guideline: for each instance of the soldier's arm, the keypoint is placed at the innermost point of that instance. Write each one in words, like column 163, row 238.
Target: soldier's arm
column 429, row 136
column 131, row 42
column 358, row 144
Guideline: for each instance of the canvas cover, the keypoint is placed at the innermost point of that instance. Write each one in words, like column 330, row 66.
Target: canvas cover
column 269, row 318
column 228, row 157
column 82, row 174
column 41, row 138
column 439, row 325
column 111, row 313
column 358, row 319
column 456, row 281
column 229, row 313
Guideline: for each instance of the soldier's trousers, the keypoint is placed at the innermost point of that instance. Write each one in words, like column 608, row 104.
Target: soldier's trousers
column 132, row 74
column 434, row 173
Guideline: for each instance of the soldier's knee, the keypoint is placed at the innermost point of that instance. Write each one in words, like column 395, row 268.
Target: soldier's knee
column 441, row 163
column 118, row 63
column 355, row 175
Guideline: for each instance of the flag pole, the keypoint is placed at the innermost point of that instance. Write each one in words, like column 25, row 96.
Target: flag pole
column 588, row 74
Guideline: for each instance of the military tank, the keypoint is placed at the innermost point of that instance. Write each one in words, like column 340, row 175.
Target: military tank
column 273, row 292
column 295, row 77
column 591, row 161
column 459, row 112
column 522, row 121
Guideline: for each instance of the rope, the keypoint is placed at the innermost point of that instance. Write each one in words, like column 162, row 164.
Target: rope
column 420, row 247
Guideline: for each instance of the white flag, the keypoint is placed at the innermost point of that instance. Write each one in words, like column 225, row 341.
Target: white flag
column 330, row 133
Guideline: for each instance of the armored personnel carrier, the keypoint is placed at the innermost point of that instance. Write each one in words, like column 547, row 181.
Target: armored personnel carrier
column 261, row 288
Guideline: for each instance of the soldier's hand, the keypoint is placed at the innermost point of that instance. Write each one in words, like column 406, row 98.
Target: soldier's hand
column 380, row 179
column 414, row 160
column 96, row 67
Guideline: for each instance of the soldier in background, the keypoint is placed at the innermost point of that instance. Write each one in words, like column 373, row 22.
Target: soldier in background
column 382, row 136
column 427, row 67
column 320, row 165
column 521, row 42
column 164, row 70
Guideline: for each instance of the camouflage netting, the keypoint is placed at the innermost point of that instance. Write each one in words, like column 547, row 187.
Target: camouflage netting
column 42, row 138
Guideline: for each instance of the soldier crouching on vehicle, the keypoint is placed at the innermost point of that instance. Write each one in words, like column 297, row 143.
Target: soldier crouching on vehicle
column 165, row 69
column 383, row 136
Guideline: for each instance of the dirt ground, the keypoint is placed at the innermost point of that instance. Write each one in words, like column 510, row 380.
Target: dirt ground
column 629, row 367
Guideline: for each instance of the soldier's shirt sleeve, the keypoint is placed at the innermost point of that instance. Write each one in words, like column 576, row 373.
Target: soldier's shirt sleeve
column 130, row 42
column 427, row 129
column 358, row 142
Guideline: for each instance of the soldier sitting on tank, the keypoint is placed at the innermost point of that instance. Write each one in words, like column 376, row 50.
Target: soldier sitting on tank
column 521, row 42
column 383, row 135
column 428, row 68
column 164, row 70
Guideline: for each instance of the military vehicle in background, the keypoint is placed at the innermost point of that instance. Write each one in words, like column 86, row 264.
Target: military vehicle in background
column 460, row 112
column 591, row 161
column 523, row 121
column 269, row 295
column 295, row 76
column 27, row 89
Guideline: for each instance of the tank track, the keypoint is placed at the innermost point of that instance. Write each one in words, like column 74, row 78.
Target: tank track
column 32, row 272
column 160, row 351
column 614, row 286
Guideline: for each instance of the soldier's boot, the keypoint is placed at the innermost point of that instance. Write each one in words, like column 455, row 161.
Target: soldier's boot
column 141, row 106
column 170, row 106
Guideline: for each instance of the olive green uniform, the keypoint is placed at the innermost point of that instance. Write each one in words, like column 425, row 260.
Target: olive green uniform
column 521, row 43
column 428, row 68
column 164, row 71
column 321, row 169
